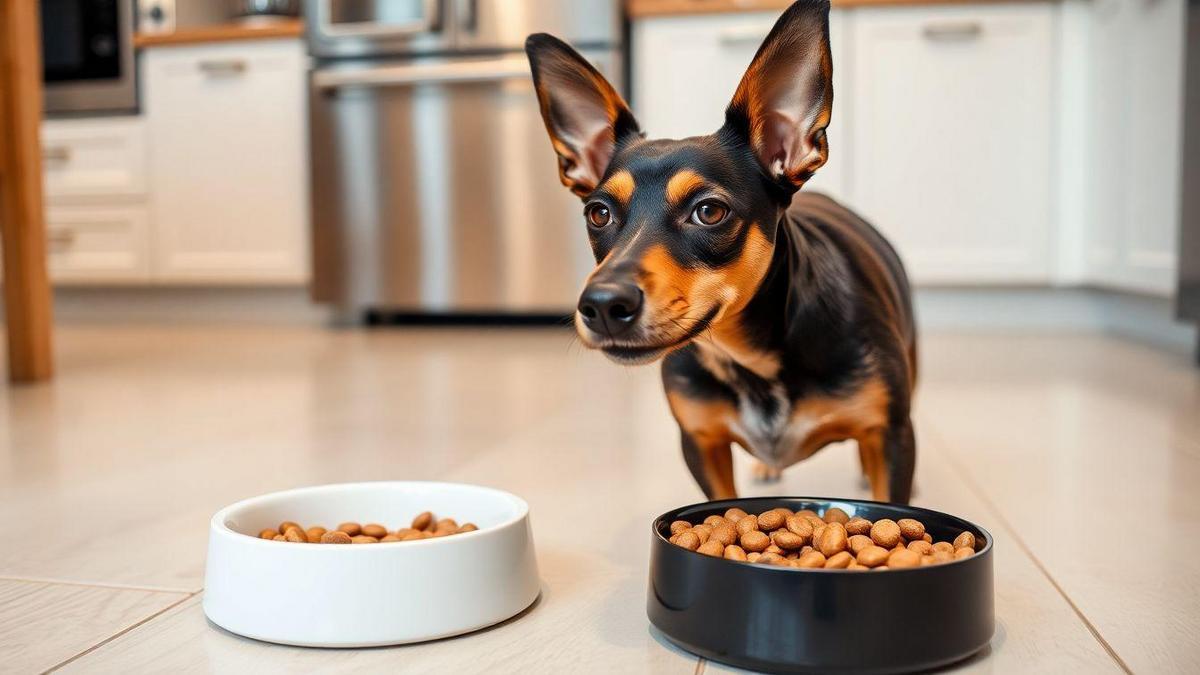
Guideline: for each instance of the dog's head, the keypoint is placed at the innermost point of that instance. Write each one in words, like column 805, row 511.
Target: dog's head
column 684, row 230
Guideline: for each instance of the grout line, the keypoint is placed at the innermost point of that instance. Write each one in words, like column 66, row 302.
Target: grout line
column 120, row 633
column 99, row 584
column 1012, row 532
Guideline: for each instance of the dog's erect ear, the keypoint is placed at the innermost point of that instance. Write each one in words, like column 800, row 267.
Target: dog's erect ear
column 585, row 116
column 785, row 99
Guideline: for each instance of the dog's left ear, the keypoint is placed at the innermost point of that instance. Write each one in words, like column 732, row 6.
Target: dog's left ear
column 584, row 114
column 785, row 99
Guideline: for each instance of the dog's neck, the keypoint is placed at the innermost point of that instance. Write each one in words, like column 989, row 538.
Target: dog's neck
column 799, row 315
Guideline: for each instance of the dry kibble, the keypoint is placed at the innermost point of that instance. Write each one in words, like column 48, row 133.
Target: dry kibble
column 903, row 558
column 422, row 521
column 725, row 533
column 268, row 534
column 839, row 561
column 858, row 525
column 314, row 534
column 335, row 537
column 734, row 514
column 857, row 542
column 833, row 539
column 885, row 532
column 911, row 529
column 920, row 547
column 689, row 540
column 388, row 538
column 748, row 523
column 771, row 520
column 787, row 540
column 836, row 515
column 446, row 525
column 352, row 529
column 467, row 527
column 374, row 530
column 295, row 535
column 280, row 537
column 800, row 526
column 363, row 539
column 755, row 540
column 812, row 559
column 286, row 525
column 804, row 540
column 873, row 556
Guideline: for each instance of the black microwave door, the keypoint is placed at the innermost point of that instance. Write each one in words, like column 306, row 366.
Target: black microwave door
column 81, row 40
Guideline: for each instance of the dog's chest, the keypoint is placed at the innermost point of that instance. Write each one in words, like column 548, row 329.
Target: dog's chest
column 766, row 422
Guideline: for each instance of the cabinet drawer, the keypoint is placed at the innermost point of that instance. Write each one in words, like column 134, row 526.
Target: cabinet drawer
column 97, row 244
column 94, row 157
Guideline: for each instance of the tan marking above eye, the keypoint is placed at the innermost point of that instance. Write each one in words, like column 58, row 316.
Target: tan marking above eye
column 682, row 184
column 620, row 185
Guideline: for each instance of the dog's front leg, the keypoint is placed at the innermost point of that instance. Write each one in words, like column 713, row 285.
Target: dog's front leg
column 710, row 459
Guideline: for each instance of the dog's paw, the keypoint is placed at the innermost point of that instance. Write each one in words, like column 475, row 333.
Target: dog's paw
column 764, row 473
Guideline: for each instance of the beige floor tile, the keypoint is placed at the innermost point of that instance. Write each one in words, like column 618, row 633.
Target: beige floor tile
column 42, row 625
column 1091, row 451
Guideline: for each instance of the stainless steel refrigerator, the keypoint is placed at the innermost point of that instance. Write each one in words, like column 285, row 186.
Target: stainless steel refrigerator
column 435, row 189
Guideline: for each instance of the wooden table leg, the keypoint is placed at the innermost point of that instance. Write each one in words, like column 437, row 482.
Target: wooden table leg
column 27, row 298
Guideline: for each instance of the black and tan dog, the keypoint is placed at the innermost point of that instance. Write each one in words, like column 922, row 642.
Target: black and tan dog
column 784, row 319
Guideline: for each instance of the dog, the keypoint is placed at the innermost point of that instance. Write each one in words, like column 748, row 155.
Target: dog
column 783, row 320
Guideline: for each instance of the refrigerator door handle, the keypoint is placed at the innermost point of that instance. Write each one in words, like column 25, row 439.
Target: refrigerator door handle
column 430, row 22
column 407, row 75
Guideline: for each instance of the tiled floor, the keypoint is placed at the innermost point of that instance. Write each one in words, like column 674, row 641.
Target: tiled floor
column 1081, row 454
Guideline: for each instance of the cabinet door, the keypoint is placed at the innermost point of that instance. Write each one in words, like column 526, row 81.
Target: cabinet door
column 951, row 155
column 686, row 69
column 1136, row 56
column 228, row 162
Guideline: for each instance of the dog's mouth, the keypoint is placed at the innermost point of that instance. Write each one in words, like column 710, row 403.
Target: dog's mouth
column 637, row 354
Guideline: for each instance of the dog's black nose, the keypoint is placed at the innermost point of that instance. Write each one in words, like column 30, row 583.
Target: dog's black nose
column 610, row 308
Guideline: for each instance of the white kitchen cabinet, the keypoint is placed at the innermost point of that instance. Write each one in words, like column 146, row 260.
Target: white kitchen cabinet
column 952, row 126
column 227, row 148
column 98, row 243
column 1134, row 144
column 95, row 157
column 686, row 69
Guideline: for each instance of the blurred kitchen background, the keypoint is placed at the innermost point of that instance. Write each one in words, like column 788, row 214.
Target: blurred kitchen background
column 372, row 160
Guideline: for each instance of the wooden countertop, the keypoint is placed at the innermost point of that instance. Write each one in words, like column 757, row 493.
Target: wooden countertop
column 643, row 8
column 226, row 32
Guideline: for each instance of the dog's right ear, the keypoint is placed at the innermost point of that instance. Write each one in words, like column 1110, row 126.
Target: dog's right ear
column 585, row 116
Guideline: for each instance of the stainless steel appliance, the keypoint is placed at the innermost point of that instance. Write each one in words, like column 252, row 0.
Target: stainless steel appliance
column 87, row 56
column 1188, row 297
column 434, row 186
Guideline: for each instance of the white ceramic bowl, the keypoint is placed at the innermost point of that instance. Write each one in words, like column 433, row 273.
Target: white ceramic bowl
column 364, row 595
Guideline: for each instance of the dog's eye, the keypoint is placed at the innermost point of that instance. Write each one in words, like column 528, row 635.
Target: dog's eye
column 598, row 215
column 709, row 212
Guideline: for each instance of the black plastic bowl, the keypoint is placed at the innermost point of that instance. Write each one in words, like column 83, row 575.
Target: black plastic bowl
column 783, row 619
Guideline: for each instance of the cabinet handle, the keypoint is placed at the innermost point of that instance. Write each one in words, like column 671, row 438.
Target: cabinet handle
column 56, row 153
column 952, row 31
column 223, row 68
column 61, row 238
column 741, row 35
